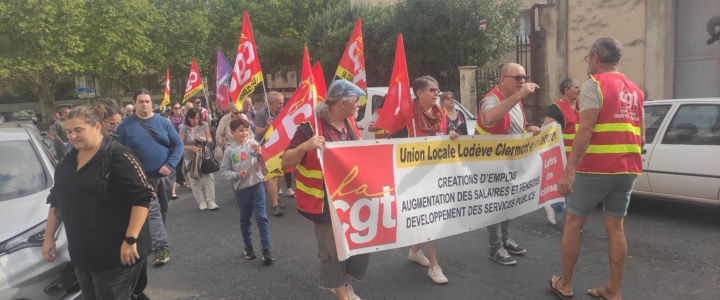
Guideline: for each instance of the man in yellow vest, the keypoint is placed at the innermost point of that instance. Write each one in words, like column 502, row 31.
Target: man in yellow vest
column 501, row 112
column 565, row 113
column 606, row 157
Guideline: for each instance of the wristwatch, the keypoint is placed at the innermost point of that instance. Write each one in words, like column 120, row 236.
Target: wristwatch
column 130, row 240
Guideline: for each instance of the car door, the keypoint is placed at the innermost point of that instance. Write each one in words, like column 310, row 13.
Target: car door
column 654, row 117
column 686, row 161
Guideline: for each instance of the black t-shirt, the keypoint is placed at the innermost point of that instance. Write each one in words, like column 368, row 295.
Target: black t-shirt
column 95, row 210
column 555, row 113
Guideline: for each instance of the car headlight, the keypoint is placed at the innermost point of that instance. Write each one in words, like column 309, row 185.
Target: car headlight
column 34, row 237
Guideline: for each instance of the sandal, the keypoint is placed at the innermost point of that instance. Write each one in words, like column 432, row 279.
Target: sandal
column 173, row 196
column 553, row 286
column 595, row 293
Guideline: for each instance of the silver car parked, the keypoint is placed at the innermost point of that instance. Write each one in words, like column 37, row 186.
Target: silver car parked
column 26, row 176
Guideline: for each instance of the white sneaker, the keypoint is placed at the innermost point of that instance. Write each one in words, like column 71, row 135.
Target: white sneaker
column 550, row 214
column 202, row 205
column 280, row 191
column 211, row 205
column 351, row 294
column 291, row 193
column 419, row 257
column 349, row 291
column 435, row 273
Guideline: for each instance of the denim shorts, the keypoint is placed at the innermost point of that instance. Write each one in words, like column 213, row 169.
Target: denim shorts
column 613, row 190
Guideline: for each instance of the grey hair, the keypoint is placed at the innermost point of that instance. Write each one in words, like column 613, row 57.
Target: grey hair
column 566, row 84
column 609, row 50
column 322, row 109
column 421, row 83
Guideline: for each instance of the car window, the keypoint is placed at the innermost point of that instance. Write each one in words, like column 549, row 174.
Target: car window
column 694, row 124
column 377, row 102
column 466, row 112
column 654, row 116
column 361, row 112
column 21, row 171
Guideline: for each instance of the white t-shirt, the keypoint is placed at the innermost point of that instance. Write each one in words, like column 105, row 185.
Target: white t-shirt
column 517, row 119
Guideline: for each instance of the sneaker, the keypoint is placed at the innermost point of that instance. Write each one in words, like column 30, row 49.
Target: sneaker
column 211, row 205
column 435, row 273
column 513, row 247
column 419, row 257
column 550, row 215
column 281, row 204
column 202, row 205
column 249, row 253
column 268, row 259
column 278, row 211
column 183, row 184
column 502, row 257
column 162, row 256
column 349, row 291
column 291, row 193
column 279, row 191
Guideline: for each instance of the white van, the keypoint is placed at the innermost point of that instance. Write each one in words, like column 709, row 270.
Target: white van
column 375, row 98
column 681, row 157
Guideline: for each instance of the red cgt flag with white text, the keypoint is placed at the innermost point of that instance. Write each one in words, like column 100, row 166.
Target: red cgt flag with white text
column 299, row 109
column 246, row 70
column 194, row 83
column 352, row 63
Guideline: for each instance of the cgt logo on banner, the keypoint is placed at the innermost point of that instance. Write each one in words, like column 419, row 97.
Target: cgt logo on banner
column 366, row 209
column 386, row 194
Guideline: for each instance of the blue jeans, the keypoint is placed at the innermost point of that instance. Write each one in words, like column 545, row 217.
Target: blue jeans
column 252, row 200
column 157, row 212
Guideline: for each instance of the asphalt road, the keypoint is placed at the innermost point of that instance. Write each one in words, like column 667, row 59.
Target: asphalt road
column 674, row 253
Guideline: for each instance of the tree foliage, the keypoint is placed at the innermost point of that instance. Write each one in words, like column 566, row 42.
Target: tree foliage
column 42, row 43
column 438, row 35
column 126, row 44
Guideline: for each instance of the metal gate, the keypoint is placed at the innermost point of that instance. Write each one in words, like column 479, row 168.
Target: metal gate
column 487, row 78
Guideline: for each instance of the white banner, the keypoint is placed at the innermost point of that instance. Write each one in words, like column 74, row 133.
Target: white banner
column 386, row 194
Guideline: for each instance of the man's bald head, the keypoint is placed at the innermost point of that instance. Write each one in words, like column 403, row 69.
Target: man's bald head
column 275, row 101
column 512, row 77
column 508, row 68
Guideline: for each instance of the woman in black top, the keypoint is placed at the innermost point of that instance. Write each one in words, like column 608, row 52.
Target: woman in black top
column 101, row 195
column 455, row 118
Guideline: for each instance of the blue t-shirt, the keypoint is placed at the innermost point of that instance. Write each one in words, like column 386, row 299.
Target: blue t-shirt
column 153, row 155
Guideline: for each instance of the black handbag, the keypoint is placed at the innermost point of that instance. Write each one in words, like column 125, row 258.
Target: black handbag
column 208, row 164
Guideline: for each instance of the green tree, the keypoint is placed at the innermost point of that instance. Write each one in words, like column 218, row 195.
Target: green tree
column 42, row 43
column 330, row 31
column 118, row 46
column 438, row 35
column 182, row 34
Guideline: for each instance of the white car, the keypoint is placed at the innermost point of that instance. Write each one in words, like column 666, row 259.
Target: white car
column 681, row 157
column 375, row 98
column 26, row 176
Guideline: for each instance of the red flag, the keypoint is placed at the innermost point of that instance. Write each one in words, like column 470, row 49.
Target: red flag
column 352, row 63
column 246, row 71
column 397, row 111
column 194, row 83
column 319, row 81
column 166, row 98
column 299, row 109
